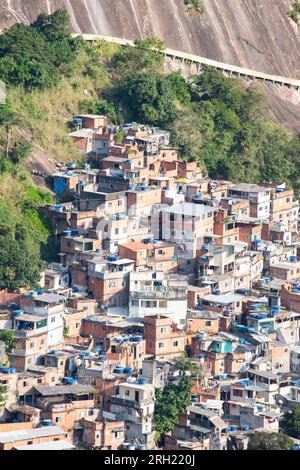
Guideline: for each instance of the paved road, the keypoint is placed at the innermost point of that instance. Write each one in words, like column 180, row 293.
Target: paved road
column 184, row 56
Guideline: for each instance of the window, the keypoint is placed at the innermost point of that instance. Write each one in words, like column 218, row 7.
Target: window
column 58, row 419
column 24, row 384
column 112, row 284
column 135, row 303
column 52, row 319
column 126, row 393
column 208, row 323
column 175, row 344
column 31, row 345
column 163, row 329
column 161, row 344
column 29, row 443
column 237, row 393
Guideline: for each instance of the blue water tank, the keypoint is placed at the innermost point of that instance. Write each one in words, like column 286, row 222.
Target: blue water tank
column 46, row 422
column 119, row 370
column 112, row 258
column 296, row 447
column 293, row 258
column 216, row 292
column 17, row 313
column 241, row 291
column 69, row 380
column 75, row 233
column 40, row 291
column 141, row 381
column 263, row 315
column 128, row 370
column 143, row 447
column 245, row 427
column 138, row 339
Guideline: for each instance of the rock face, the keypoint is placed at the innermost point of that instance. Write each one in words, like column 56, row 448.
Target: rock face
column 256, row 34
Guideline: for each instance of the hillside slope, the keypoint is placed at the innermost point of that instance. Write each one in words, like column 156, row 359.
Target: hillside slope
column 256, row 34
column 252, row 33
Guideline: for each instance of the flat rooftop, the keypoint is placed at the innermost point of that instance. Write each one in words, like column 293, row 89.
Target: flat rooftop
column 24, row 434
column 48, row 391
column 189, row 208
column 224, row 299
column 54, row 445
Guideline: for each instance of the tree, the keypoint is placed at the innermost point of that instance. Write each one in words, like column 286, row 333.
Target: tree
column 7, row 337
column 35, row 55
column 147, row 54
column 21, row 150
column 186, row 134
column 269, row 441
column 291, row 422
column 8, row 119
column 170, row 402
column 185, row 364
column 20, row 266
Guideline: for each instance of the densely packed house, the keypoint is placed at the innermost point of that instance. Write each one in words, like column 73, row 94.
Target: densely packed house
column 156, row 261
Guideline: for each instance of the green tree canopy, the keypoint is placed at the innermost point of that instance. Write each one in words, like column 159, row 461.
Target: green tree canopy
column 291, row 422
column 270, row 441
column 170, row 402
column 33, row 55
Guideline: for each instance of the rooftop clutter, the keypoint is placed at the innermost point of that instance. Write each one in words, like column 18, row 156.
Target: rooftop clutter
column 166, row 279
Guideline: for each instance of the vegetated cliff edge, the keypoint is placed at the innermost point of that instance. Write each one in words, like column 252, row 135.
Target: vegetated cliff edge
column 257, row 34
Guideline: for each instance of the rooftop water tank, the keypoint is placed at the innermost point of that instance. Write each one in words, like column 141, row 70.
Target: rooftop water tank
column 141, row 381
column 17, row 313
column 245, row 427
column 293, row 258
column 216, row 292
column 46, row 422
column 132, row 380
column 241, row 291
column 127, row 370
column 143, row 447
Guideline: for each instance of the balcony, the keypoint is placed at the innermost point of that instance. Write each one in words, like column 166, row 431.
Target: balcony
column 117, row 400
column 167, row 294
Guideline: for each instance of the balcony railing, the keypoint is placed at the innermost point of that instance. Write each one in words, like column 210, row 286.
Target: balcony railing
column 179, row 294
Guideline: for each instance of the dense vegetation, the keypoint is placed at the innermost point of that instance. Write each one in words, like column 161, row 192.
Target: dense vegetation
column 291, row 423
column 32, row 58
column 294, row 12
column 220, row 121
column 171, row 401
column 194, row 5
column 270, row 441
